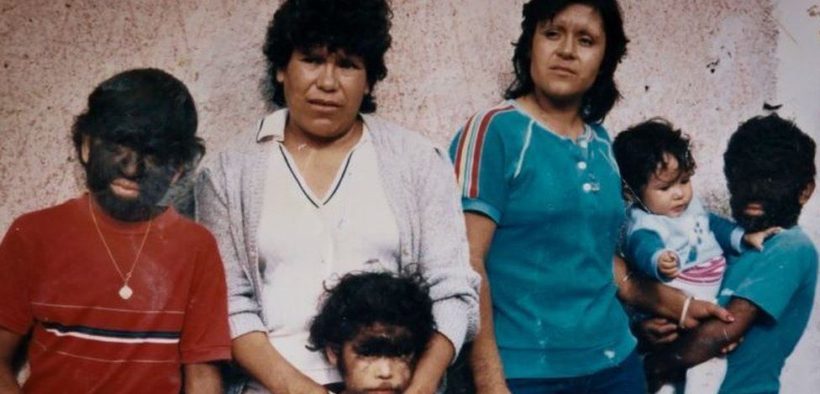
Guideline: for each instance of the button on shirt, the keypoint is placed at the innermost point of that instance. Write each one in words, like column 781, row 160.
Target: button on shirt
column 307, row 242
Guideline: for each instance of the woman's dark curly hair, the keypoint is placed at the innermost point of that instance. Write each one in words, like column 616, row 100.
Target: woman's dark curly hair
column 362, row 300
column 769, row 160
column 147, row 110
column 356, row 27
column 601, row 97
column 640, row 149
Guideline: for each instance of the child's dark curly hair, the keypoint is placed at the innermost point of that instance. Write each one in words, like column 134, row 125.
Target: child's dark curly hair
column 147, row 110
column 640, row 150
column 357, row 27
column 769, row 160
column 362, row 300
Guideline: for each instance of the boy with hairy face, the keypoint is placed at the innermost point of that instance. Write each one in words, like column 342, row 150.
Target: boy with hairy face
column 770, row 169
column 118, row 291
column 373, row 327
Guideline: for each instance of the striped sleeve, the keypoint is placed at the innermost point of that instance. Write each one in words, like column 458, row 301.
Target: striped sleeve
column 478, row 156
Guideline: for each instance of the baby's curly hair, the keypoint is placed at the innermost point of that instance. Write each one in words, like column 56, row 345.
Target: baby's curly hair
column 364, row 300
column 640, row 149
column 357, row 27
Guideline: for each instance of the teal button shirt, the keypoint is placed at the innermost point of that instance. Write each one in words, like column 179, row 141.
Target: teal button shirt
column 558, row 209
column 781, row 281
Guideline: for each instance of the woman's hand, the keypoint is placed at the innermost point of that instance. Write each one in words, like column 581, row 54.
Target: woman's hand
column 657, row 331
column 700, row 310
column 431, row 366
column 254, row 352
column 661, row 300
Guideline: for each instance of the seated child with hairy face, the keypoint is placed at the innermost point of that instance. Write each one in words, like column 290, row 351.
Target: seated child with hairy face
column 374, row 327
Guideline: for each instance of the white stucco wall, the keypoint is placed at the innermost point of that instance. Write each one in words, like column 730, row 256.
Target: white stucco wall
column 705, row 65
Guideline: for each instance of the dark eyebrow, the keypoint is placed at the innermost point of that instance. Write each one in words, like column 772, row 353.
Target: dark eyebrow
column 383, row 346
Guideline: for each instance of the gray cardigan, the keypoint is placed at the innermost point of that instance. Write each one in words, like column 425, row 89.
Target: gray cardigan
column 420, row 185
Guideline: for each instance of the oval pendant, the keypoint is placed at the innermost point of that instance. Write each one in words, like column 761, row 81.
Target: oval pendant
column 125, row 292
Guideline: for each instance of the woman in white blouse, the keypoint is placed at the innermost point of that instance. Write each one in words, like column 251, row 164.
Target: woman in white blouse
column 321, row 188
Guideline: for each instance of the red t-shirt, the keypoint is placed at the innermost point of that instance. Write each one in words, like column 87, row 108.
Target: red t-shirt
column 57, row 279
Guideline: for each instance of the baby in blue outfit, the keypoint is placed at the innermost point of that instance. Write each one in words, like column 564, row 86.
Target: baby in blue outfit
column 670, row 236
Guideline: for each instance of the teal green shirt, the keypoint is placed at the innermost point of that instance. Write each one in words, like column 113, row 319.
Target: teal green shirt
column 781, row 281
column 558, row 209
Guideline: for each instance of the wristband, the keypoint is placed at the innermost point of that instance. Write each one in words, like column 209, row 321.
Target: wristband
column 685, row 309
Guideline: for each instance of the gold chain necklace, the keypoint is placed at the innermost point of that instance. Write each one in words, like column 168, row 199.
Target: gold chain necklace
column 125, row 291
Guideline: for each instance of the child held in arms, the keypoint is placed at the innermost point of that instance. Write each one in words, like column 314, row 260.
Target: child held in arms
column 670, row 236
column 373, row 327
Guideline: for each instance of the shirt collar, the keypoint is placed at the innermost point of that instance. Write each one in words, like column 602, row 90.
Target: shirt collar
column 273, row 127
column 586, row 134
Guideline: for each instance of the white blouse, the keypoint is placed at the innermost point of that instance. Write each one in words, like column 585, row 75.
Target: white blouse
column 307, row 242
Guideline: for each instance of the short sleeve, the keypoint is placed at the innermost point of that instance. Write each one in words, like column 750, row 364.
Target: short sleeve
column 478, row 156
column 15, row 266
column 205, row 333
column 772, row 276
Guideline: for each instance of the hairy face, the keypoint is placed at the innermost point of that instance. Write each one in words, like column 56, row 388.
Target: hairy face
column 769, row 168
column 758, row 204
column 127, row 184
column 378, row 360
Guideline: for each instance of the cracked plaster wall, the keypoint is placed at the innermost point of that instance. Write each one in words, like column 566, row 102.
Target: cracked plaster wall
column 703, row 64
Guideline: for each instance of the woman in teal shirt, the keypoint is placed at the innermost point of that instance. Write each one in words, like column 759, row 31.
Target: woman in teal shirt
column 542, row 200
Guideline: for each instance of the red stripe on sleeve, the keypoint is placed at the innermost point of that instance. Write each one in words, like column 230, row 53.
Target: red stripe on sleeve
column 479, row 145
